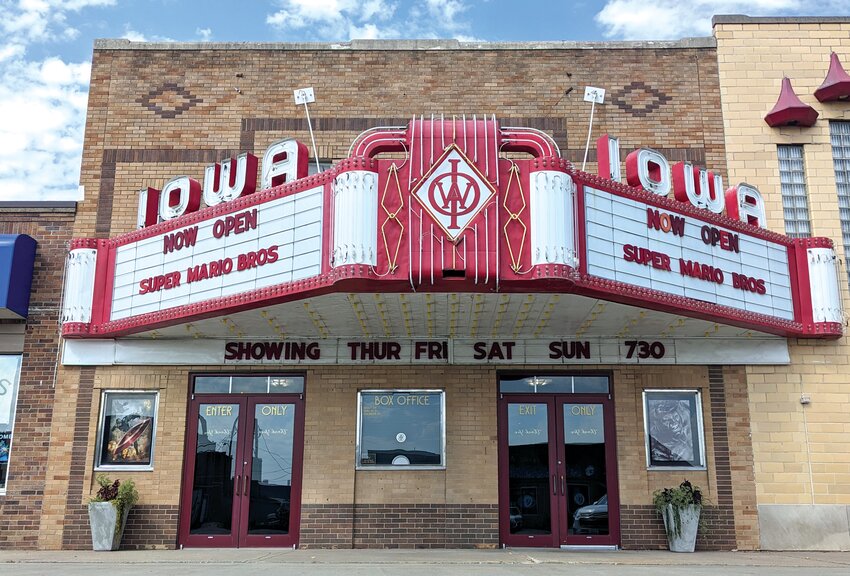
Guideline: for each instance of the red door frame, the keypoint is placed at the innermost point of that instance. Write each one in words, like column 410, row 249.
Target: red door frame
column 611, row 483
column 560, row 522
column 238, row 536
column 274, row 540
column 505, row 536
column 208, row 540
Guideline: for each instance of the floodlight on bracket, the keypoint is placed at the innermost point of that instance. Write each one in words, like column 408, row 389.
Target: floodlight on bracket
column 594, row 96
column 306, row 96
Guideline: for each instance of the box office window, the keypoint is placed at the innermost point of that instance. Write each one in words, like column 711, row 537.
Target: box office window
column 401, row 429
column 674, row 429
column 126, row 430
column 10, row 369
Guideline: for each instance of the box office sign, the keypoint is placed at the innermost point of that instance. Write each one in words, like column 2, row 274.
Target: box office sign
column 401, row 428
column 458, row 215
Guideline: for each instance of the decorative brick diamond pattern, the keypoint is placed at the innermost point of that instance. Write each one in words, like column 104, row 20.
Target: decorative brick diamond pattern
column 638, row 99
column 169, row 100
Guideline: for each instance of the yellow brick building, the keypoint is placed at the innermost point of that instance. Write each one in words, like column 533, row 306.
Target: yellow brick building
column 801, row 461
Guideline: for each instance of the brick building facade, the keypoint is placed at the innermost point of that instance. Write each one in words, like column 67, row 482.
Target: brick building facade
column 158, row 110
column 801, row 464
column 36, row 340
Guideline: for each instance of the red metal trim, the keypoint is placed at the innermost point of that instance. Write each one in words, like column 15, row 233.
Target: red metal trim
column 802, row 296
column 241, row 504
column 190, row 450
column 104, row 278
column 789, row 110
column 558, row 509
column 505, row 537
column 611, row 471
column 836, row 85
column 800, row 278
column 644, row 197
column 75, row 329
column 528, row 141
column 581, row 226
column 83, row 243
column 551, row 278
column 603, row 156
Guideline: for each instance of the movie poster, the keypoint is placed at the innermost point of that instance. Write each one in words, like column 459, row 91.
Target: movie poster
column 673, row 429
column 5, row 441
column 127, row 429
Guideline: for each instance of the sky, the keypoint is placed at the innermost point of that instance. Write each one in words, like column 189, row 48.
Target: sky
column 46, row 47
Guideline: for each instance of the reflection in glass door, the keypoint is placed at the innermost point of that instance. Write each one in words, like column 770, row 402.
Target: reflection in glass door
column 586, row 476
column 242, row 476
column 269, row 511
column 216, row 449
column 557, row 461
column 530, row 474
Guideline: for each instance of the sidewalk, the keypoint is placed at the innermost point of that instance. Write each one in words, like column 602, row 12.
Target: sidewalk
column 419, row 562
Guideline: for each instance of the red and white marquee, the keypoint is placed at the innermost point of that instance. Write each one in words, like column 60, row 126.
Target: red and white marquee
column 461, row 233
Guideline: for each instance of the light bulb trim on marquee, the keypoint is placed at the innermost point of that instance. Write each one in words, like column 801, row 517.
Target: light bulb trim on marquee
column 481, row 222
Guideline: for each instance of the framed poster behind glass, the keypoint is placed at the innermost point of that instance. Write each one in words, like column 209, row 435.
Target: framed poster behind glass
column 126, row 430
column 674, row 429
column 10, row 368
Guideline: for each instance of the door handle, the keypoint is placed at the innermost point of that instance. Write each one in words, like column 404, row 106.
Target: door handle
column 238, row 484
column 245, row 485
column 562, row 485
column 554, row 485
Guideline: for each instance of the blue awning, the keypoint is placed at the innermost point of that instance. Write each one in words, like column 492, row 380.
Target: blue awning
column 17, row 255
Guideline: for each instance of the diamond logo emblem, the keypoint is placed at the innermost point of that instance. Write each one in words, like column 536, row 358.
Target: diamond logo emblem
column 453, row 192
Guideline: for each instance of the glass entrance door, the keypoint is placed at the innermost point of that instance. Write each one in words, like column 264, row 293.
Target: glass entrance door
column 558, row 482
column 589, row 510
column 242, row 476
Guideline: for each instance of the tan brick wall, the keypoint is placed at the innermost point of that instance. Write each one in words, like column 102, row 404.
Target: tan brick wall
column 356, row 89
column 471, row 475
column 800, row 452
column 666, row 98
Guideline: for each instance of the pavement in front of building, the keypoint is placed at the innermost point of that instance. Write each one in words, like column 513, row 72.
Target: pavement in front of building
column 542, row 562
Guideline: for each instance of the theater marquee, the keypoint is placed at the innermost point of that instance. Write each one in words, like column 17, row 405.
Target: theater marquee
column 453, row 240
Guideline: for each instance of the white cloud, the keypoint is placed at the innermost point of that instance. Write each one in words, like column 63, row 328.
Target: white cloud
column 42, row 140
column 673, row 19
column 43, row 20
column 447, row 12
column 133, row 35
column 339, row 20
column 10, row 51
column 44, row 102
column 136, row 36
column 204, row 34
column 335, row 19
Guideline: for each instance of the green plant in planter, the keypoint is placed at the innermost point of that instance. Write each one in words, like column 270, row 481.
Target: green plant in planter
column 686, row 494
column 121, row 495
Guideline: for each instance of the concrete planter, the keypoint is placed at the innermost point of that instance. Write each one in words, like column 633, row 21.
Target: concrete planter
column 106, row 533
column 686, row 538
